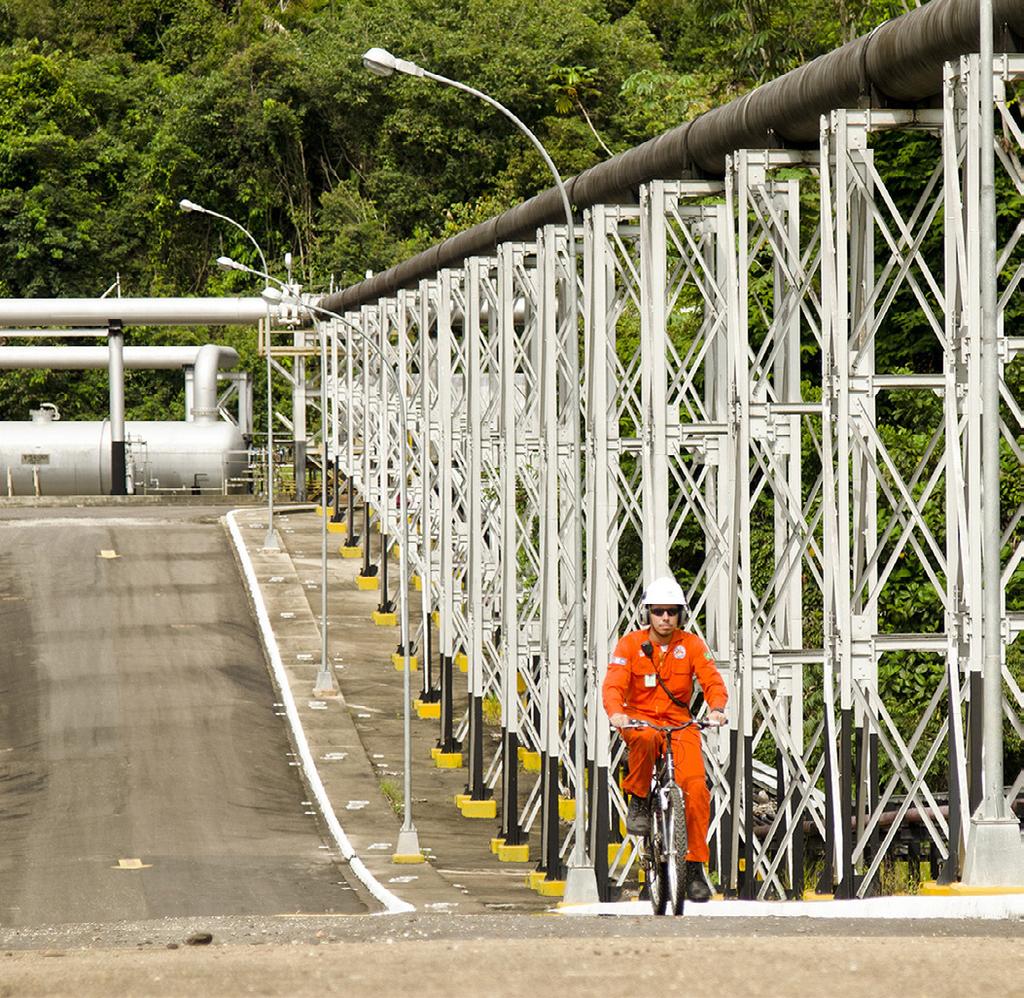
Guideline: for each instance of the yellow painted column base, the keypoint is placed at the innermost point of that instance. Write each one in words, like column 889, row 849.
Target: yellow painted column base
column 551, row 888
column 535, row 878
column 448, row 760
column 427, row 711
column 514, row 854
column 408, row 858
column 367, row 582
column 530, row 760
column 436, row 615
column 931, row 888
column 479, row 808
column 417, row 583
column 398, row 661
column 350, row 551
column 384, row 618
column 815, row 896
column 613, row 851
column 335, row 527
column 496, row 844
column 567, row 808
column 462, row 662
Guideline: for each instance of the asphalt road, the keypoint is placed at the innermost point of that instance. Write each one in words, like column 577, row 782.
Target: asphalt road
column 143, row 770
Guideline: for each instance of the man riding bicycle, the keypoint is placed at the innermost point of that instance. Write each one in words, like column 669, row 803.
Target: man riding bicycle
column 650, row 678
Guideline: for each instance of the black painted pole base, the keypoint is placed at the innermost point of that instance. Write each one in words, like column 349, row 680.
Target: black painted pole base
column 448, row 742
column 600, row 827
column 511, row 831
column 550, row 862
column 117, row 469
column 475, row 786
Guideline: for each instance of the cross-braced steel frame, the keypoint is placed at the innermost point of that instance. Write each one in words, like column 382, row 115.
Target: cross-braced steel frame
column 729, row 407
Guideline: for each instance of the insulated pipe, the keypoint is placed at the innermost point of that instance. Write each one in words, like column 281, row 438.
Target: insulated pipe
column 900, row 62
column 205, row 360
column 95, row 358
column 204, row 405
column 132, row 311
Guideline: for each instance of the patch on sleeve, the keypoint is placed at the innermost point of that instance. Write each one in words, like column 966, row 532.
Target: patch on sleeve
column 618, row 660
column 709, row 656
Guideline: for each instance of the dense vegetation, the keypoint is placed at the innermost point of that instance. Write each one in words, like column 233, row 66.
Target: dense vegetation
column 111, row 113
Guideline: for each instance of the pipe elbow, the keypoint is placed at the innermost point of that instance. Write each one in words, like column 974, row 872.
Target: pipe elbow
column 204, row 384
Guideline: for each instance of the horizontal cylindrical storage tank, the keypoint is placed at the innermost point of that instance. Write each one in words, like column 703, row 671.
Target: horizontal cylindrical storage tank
column 73, row 458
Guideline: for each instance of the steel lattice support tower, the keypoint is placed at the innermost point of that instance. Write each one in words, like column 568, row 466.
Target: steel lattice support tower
column 721, row 418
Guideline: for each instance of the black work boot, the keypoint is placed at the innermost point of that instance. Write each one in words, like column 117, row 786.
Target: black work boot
column 638, row 817
column 697, row 888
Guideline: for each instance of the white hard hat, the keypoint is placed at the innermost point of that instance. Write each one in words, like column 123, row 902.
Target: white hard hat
column 664, row 591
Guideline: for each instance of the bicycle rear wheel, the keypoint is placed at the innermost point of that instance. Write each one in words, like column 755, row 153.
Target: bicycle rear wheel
column 675, row 849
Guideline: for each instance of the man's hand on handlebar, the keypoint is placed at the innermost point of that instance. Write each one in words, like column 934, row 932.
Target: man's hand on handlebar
column 715, row 719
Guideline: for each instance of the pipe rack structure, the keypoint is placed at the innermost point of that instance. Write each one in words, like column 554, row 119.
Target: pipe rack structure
column 790, row 515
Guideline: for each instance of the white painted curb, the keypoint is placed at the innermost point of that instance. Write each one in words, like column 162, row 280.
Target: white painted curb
column 391, row 902
column 989, row 906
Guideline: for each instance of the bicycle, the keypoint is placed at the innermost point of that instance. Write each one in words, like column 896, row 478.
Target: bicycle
column 663, row 848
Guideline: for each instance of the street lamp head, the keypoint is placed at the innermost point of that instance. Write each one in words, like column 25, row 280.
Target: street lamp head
column 226, row 263
column 382, row 63
column 271, row 295
column 185, row 205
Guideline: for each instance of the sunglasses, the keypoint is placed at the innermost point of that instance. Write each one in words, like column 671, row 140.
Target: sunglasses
column 663, row 611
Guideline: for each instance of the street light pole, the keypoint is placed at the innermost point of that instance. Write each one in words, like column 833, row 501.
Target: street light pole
column 408, row 848
column 324, row 685
column 581, row 880
column 270, row 543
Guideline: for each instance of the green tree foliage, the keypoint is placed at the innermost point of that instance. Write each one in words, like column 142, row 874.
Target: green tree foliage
column 112, row 113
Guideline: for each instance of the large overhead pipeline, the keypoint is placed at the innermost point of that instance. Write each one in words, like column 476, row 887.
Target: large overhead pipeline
column 899, row 63
column 131, row 311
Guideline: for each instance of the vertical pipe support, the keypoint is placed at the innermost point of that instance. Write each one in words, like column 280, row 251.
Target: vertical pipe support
column 115, row 346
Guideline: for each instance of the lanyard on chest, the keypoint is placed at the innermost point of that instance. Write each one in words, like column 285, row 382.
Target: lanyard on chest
column 648, row 649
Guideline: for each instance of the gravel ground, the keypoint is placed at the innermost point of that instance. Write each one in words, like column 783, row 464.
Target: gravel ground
column 315, row 929
column 435, row 955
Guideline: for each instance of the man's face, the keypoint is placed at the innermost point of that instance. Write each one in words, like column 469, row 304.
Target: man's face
column 664, row 620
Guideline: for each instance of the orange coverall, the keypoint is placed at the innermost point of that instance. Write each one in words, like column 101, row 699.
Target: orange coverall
column 631, row 687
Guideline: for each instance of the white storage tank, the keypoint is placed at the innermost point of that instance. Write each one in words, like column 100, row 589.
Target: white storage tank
column 49, row 456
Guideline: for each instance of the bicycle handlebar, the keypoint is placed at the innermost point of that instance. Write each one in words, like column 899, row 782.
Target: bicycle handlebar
column 667, row 729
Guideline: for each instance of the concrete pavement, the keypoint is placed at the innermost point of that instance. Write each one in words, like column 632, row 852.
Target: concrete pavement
column 355, row 739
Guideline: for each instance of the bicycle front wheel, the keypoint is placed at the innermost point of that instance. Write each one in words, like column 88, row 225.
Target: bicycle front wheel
column 675, row 849
column 657, row 882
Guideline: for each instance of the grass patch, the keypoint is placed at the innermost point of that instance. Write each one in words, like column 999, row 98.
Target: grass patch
column 393, row 794
column 491, row 707
column 899, row 877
